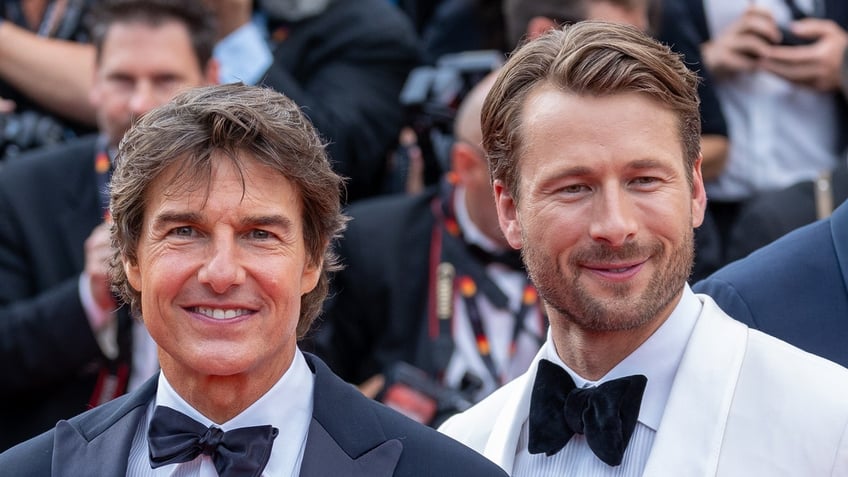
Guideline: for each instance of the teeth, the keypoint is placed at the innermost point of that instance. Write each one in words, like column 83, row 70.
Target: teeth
column 219, row 314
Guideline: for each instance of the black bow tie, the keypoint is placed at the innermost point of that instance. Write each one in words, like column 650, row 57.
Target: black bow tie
column 606, row 414
column 174, row 437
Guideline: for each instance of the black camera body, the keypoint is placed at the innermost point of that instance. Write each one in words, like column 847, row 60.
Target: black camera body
column 28, row 130
column 431, row 97
column 412, row 392
column 787, row 38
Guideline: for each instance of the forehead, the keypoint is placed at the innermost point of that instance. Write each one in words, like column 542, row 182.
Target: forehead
column 563, row 127
column 222, row 181
column 139, row 45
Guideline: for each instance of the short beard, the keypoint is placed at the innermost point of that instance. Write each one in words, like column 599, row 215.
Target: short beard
column 624, row 311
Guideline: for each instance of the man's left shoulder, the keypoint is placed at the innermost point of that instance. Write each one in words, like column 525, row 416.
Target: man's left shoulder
column 428, row 452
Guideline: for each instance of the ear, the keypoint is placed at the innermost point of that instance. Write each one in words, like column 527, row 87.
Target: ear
column 133, row 273
column 699, row 194
column 212, row 71
column 465, row 162
column 539, row 25
column 94, row 92
column 507, row 215
column 311, row 274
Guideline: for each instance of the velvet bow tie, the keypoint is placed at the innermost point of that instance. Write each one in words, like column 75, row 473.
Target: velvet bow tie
column 606, row 414
column 174, row 437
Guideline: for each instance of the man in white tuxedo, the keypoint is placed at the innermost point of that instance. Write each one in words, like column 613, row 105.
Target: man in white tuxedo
column 592, row 135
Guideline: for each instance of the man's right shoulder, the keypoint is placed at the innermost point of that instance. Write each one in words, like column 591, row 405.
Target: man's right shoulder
column 474, row 426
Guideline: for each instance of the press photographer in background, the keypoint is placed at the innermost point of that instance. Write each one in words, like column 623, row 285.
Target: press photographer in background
column 432, row 312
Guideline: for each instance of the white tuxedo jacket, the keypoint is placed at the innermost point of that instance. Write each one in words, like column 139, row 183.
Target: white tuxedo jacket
column 742, row 404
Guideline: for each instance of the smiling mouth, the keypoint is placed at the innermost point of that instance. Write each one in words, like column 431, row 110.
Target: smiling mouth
column 220, row 313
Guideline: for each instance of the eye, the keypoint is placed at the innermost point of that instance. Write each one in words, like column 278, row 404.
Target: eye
column 183, row 231
column 575, row 188
column 645, row 181
column 260, row 234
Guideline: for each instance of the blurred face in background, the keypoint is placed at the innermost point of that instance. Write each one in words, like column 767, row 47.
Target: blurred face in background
column 142, row 66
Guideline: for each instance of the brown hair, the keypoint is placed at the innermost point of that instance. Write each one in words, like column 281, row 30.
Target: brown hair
column 231, row 119
column 586, row 58
column 198, row 19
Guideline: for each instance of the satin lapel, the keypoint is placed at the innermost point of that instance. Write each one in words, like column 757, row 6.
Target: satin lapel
column 839, row 231
column 97, row 444
column 323, row 456
column 503, row 440
column 345, row 439
column 692, row 428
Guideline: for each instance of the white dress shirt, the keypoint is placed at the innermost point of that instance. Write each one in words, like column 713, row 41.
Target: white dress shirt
column 497, row 323
column 780, row 133
column 286, row 406
column 657, row 358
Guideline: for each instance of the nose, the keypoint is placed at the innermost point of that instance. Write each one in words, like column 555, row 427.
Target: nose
column 614, row 220
column 222, row 269
column 143, row 98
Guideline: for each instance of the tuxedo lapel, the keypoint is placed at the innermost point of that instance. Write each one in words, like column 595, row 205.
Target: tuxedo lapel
column 345, row 439
column 98, row 442
column 700, row 397
column 503, row 440
column 324, row 456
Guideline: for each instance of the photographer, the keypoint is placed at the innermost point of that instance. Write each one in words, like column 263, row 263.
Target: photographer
column 431, row 312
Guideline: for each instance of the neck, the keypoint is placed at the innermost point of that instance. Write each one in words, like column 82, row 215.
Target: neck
column 220, row 398
column 592, row 353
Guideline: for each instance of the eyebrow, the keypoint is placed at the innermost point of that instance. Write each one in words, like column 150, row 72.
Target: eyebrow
column 166, row 218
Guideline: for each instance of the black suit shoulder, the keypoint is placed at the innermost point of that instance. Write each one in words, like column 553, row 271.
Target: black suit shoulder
column 363, row 424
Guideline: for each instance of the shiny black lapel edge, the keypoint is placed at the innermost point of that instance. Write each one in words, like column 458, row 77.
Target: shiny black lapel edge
column 351, row 431
column 97, row 443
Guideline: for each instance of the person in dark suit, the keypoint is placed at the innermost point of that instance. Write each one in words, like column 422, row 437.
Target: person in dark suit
column 794, row 288
column 63, row 347
column 224, row 203
column 773, row 214
column 345, row 63
column 398, row 252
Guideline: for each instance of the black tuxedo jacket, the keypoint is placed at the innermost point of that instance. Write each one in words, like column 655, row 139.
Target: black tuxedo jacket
column 376, row 313
column 795, row 288
column 349, row 435
column 346, row 67
column 48, row 354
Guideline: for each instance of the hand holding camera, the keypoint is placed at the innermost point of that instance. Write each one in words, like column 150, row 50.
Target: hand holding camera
column 814, row 59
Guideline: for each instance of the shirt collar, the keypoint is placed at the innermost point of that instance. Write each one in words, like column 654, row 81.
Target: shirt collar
column 657, row 358
column 286, row 406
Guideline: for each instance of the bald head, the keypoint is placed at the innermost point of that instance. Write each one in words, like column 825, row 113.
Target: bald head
column 466, row 125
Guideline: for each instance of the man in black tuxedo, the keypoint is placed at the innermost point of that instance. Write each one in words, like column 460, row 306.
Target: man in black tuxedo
column 63, row 347
column 224, row 204
column 387, row 308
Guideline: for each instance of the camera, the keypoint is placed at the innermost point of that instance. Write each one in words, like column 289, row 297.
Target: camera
column 787, row 38
column 431, row 97
column 27, row 130
column 412, row 392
